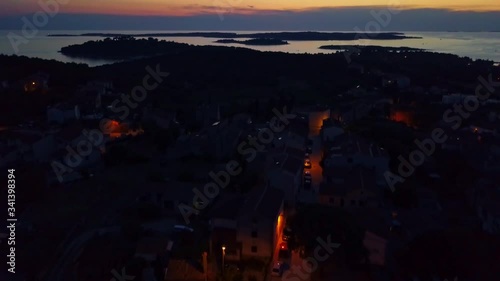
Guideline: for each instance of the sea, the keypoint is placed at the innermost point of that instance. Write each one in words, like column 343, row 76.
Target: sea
column 475, row 45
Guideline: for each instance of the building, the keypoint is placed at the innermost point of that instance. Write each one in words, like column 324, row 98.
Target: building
column 99, row 257
column 315, row 116
column 399, row 80
column 63, row 113
column 331, row 129
column 35, row 83
column 484, row 198
column 207, row 114
column 151, row 248
column 285, row 172
column 168, row 196
column 161, row 118
column 349, row 150
column 351, row 187
column 30, row 145
column 248, row 226
column 348, row 113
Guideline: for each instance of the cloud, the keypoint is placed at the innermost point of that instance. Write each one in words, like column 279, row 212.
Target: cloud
column 345, row 19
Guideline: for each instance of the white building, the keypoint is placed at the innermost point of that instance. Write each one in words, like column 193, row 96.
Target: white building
column 63, row 113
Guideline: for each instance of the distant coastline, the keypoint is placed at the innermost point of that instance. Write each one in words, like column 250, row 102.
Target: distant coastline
column 370, row 47
column 289, row 36
column 254, row 42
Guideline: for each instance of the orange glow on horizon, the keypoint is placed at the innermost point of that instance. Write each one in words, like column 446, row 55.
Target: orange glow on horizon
column 248, row 7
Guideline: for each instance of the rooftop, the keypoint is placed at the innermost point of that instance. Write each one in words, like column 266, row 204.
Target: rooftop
column 262, row 202
column 349, row 144
column 70, row 132
column 489, row 196
column 344, row 180
column 152, row 245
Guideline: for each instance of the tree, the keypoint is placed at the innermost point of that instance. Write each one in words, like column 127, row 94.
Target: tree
column 311, row 223
column 132, row 229
column 115, row 155
column 231, row 273
column 451, row 253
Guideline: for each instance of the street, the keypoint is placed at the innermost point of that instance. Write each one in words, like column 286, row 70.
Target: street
column 298, row 267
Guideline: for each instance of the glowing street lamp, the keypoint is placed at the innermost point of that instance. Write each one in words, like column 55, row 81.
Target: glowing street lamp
column 223, row 254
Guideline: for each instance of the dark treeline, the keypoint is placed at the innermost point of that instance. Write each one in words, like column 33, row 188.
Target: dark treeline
column 262, row 42
column 122, row 47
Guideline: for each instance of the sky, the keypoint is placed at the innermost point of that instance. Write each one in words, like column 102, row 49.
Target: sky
column 430, row 15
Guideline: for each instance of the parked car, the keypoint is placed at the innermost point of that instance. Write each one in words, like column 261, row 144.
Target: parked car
column 307, row 173
column 309, row 150
column 307, row 185
column 236, row 266
column 307, row 164
column 284, row 253
column 277, row 269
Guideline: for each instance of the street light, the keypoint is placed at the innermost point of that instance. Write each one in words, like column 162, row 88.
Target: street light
column 223, row 254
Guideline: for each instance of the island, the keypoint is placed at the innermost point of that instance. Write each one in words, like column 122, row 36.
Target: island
column 347, row 48
column 254, row 42
column 290, row 36
column 123, row 47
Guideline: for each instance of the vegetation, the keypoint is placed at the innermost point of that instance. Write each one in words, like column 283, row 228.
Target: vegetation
column 315, row 222
column 451, row 253
column 122, row 47
column 260, row 41
column 254, row 264
column 142, row 211
column 231, row 273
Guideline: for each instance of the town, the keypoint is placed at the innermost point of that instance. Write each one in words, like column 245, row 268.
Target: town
column 155, row 170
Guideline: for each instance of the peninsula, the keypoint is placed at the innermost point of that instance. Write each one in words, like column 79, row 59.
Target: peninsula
column 254, row 42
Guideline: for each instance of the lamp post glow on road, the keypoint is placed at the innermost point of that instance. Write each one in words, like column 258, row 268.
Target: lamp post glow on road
column 223, row 254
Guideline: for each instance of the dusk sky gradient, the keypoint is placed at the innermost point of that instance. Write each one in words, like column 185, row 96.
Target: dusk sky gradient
column 197, row 7
column 423, row 15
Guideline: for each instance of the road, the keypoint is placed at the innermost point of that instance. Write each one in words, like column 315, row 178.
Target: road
column 298, row 268
column 311, row 196
column 295, row 267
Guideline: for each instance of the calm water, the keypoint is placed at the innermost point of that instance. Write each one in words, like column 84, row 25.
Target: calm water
column 480, row 45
